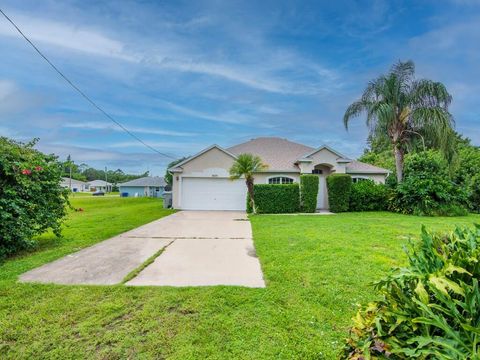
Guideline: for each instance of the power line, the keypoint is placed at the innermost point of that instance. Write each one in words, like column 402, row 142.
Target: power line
column 85, row 96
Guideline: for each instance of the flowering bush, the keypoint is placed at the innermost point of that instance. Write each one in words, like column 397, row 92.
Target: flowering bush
column 31, row 198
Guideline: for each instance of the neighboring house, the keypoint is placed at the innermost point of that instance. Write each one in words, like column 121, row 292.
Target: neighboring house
column 202, row 182
column 100, row 185
column 152, row 186
column 74, row 185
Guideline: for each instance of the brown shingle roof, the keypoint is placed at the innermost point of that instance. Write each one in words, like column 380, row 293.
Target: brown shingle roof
column 277, row 153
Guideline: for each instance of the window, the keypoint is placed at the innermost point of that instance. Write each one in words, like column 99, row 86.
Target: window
column 358, row 179
column 317, row 171
column 280, row 180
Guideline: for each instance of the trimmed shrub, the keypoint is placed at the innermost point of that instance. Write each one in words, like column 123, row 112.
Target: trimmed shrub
column 31, row 198
column 428, row 310
column 368, row 196
column 427, row 188
column 339, row 188
column 308, row 192
column 275, row 198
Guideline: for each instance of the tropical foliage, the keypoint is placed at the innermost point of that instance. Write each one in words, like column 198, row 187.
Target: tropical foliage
column 31, row 198
column 246, row 165
column 406, row 112
column 429, row 309
column 427, row 188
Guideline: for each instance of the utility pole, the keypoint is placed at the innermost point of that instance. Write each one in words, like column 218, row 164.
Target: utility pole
column 106, row 186
column 70, row 164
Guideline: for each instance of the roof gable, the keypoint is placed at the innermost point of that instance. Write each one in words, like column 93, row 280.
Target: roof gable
column 178, row 167
column 311, row 153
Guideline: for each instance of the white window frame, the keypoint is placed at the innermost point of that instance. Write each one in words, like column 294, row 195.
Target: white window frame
column 356, row 178
column 280, row 176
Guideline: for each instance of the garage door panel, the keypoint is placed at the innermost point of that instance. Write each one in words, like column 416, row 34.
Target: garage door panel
column 213, row 194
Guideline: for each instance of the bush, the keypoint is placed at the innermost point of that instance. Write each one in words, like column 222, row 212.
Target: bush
column 368, row 196
column 31, row 198
column 428, row 310
column 275, row 199
column 339, row 188
column 427, row 188
column 475, row 194
column 308, row 192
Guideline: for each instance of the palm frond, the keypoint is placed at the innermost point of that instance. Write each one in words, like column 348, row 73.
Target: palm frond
column 355, row 109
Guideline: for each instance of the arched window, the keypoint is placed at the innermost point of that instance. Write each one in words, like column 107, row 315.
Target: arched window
column 280, row 180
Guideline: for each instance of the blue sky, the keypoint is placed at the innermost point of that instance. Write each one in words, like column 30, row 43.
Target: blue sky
column 184, row 75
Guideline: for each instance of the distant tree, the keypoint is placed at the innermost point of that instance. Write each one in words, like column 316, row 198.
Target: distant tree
column 247, row 165
column 405, row 111
column 168, row 175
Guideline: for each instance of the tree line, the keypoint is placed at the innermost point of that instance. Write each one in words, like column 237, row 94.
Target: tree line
column 84, row 172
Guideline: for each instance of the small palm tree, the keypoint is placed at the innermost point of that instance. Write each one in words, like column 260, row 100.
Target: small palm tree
column 247, row 165
column 403, row 110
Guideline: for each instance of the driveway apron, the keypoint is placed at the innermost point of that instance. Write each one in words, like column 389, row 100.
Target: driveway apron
column 199, row 248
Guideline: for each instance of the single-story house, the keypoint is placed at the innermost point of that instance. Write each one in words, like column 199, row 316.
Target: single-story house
column 152, row 186
column 100, row 185
column 74, row 185
column 202, row 182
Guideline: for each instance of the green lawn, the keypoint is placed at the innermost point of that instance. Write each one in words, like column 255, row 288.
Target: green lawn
column 317, row 269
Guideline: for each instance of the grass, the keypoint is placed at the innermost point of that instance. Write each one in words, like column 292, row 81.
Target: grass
column 317, row 269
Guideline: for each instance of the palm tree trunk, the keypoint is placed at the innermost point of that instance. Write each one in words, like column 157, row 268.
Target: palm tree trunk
column 249, row 183
column 398, row 152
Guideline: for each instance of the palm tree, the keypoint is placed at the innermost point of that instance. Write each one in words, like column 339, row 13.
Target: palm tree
column 247, row 165
column 404, row 110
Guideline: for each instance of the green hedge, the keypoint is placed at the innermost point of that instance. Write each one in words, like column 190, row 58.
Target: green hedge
column 368, row 196
column 308, row 192
column 339, row 188
column 276, row 199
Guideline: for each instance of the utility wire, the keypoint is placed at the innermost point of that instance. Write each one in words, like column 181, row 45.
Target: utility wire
column 85, row 96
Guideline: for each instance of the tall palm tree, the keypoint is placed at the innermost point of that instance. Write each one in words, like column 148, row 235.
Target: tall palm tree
column 403, row 110
column 247, row 165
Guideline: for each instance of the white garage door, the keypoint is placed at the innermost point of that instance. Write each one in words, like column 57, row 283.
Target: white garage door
column 213, row 194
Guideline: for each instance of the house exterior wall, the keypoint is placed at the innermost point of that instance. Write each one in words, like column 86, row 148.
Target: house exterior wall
column 213, row 163
column 324, row 156
column 140, row 190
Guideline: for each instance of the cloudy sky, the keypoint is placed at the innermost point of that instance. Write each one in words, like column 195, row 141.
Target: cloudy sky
column 183, row 75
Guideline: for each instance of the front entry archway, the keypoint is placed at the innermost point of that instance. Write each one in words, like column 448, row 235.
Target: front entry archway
column 322, row 170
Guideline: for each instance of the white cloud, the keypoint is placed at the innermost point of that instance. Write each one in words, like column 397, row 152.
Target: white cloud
column 174, row 55
column 65, row 36
column 113, row 127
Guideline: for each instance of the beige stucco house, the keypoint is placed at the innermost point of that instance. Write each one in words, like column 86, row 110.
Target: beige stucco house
column 202, row 182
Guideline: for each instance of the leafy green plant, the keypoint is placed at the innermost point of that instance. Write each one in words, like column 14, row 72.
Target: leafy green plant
column 427, row 188
column 429, row 309
column 31, row 198
column 246, row 165
column 275, row 199
column 368, row 196
column 475, row 194
column 339, row 188
column 308, row 192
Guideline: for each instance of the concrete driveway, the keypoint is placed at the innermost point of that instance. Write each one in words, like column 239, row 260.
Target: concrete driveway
column 199, row 248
